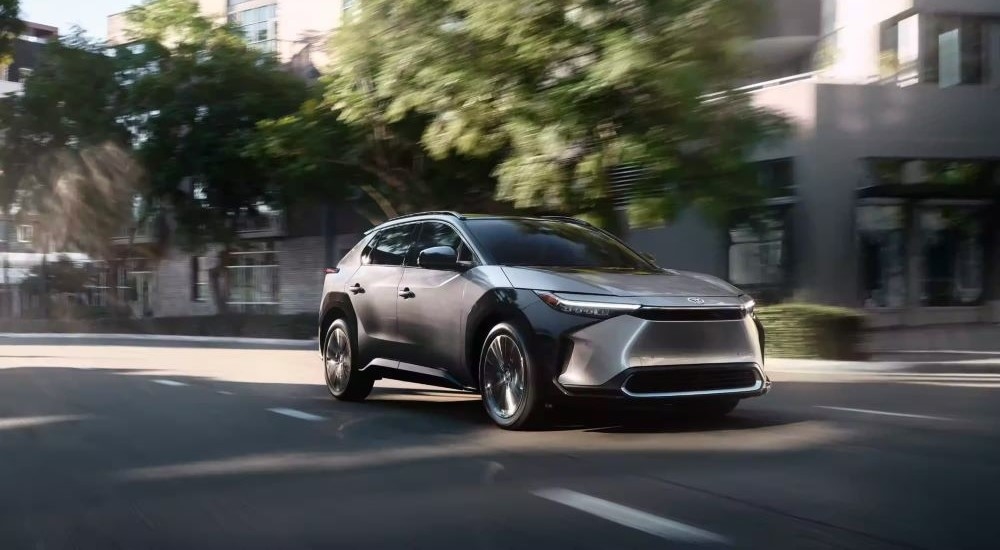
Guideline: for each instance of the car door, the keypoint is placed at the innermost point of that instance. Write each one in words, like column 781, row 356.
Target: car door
column 431, row 322
column 373, row 292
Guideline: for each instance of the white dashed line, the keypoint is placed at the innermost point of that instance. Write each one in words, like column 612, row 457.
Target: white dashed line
column 224, row 392
column 630, row 517
column 884, row 413
column 169, row 382
column 298, row 414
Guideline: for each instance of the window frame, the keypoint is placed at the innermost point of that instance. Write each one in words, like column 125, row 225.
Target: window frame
column 412, row 254
column 374, row 242
column 31, row 233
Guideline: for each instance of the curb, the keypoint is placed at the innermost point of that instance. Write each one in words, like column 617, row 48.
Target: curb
column 153, row 338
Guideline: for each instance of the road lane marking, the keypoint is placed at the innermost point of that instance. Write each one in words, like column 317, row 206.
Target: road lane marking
column 224, row 392
column 630, row 517
column 32, row 421
column 297, row 414
column 169, row 382
column 884, row 413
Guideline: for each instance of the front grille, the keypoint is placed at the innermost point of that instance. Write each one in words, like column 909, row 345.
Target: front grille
column 689, row 314
column 685, row 380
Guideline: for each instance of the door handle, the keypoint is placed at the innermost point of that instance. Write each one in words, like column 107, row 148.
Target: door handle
column 356, row 288
column 406, row 293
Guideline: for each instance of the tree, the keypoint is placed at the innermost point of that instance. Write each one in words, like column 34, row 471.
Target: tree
column 64, row 153
column 10, row 27
column 565, row 91
column 382, row 168
column 194, row 94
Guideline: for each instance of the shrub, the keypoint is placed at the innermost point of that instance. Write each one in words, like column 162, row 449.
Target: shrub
column 812, row 331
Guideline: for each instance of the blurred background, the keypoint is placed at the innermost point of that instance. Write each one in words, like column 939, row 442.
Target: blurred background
column 177, row 175
column 213, row 157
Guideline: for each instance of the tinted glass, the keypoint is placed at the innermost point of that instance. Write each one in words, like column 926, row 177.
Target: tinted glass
column 391, row 246
column 551, row 243
column 439, row 234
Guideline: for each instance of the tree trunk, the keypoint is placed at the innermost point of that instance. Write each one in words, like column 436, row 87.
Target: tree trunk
column 218, row 277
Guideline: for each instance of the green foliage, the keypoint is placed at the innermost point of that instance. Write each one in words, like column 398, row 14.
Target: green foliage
column 563, row 91
column 64, row 153
column 809, row 331
column 334, row 148
column 10, row 27
column 193, row 96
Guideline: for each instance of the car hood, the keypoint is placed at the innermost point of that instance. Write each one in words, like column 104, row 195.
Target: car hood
column 619, row 283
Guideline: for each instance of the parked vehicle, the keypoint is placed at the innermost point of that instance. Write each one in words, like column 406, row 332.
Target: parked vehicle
column 528, row 311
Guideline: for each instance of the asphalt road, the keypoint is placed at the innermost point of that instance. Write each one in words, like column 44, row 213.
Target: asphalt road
column 112, row 447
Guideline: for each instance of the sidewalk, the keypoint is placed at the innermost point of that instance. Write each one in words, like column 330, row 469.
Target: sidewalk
column 160, row 340
column 903, row 362
column 987, row 365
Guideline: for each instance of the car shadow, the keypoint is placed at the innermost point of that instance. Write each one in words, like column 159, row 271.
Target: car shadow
column 467, row 409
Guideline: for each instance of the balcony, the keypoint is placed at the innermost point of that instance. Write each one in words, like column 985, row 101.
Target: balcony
column 142, row 233
column 263, row 224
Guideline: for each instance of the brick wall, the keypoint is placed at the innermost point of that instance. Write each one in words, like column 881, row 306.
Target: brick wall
column 173, row 287
column 302, row 262
column 300, row 277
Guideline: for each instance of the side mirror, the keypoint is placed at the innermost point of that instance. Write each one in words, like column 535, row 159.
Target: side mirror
column 438, row 257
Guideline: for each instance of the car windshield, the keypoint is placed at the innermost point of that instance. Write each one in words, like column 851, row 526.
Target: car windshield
column 552, row 243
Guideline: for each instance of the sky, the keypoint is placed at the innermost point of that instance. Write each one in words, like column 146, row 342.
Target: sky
column 92, row 15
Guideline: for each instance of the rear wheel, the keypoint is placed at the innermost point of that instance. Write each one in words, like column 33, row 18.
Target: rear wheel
column 343, row 379
column 706, row 409
column 508, row 381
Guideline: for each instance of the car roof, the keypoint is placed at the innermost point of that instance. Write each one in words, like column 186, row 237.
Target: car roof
column 447, row 214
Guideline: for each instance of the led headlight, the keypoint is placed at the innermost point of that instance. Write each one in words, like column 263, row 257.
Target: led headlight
column 589, row 309
column 747, row 304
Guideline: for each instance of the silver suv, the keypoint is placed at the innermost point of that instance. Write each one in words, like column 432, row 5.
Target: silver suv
column 530, row 311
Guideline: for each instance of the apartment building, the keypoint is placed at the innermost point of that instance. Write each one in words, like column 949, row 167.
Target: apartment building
column 885, row 196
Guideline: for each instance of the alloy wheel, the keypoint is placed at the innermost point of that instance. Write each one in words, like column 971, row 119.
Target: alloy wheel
column 338, row 361
column 504, row 376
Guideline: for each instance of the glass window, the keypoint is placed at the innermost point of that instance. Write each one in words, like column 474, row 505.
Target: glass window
column 391, row 245
column 882, row 232
column 952, row 255
column 755, row 257
column 199, row 278
column 552, row 243
column 25, row 233
column 439, row 234
column 991, row 54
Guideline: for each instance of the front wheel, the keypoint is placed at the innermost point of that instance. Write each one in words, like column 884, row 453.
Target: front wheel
column 508, row 381
column 343, row 379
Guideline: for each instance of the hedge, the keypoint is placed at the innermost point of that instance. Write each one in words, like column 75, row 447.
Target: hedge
column 810, row 331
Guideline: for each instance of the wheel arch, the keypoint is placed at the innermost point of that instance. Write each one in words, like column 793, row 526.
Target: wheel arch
column 336, row 305
column 500, row 306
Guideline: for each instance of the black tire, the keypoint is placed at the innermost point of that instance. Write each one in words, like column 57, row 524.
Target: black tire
column 344, row 381
column 530, row 406
column 706, row 409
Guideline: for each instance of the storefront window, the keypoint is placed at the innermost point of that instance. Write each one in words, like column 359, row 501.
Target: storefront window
column 952, row 255
column 882, row 233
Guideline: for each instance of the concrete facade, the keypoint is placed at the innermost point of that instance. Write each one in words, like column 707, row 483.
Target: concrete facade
column 842, row 118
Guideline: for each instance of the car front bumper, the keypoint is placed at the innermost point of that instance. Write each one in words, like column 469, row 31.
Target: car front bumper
column 634, row 358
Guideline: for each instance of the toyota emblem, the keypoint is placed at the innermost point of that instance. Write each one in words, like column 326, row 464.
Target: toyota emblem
column 696, row 300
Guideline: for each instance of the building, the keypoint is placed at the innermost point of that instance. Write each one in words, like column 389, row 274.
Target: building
column 19, row 251
column 295, row 30
column 885, row 197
